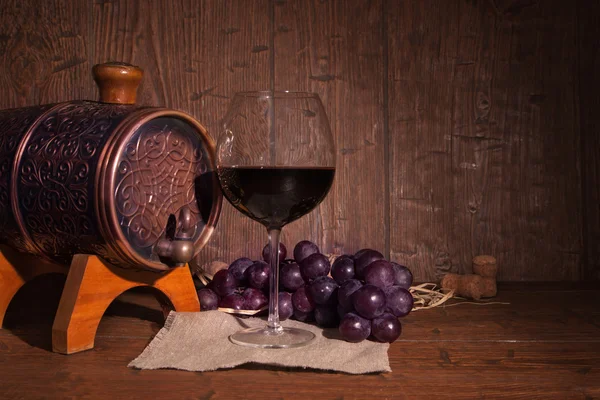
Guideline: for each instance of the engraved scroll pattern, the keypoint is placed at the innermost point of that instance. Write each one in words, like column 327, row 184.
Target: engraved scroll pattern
column 56, row 176
column 14, row 123
column 156, row 178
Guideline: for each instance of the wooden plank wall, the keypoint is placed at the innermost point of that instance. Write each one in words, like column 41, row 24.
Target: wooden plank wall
column 588, row 22
column 462, row 126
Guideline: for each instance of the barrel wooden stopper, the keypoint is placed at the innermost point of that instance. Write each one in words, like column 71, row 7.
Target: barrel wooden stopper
column 117, row 82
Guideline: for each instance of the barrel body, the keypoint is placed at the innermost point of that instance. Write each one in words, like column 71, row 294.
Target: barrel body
column 14, row 124
column 105, row 179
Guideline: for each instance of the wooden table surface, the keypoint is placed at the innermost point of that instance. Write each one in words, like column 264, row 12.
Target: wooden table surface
column 545, row 344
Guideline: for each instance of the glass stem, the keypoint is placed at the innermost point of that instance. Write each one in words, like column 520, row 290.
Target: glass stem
column 273, row 322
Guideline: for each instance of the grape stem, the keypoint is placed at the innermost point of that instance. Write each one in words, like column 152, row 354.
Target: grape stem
column 273, row 324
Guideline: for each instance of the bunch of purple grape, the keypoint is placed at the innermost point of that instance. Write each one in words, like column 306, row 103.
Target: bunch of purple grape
column 361, row 294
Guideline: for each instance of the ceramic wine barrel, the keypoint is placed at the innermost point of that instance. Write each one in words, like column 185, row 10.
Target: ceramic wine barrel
column 134, row 185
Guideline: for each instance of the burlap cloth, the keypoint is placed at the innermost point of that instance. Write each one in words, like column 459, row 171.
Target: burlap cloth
column 200, row 342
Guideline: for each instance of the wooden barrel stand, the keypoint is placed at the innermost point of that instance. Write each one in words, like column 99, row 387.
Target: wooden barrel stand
column 91, row 286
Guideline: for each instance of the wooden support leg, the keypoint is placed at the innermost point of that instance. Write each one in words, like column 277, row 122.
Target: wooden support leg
column 93, row 284
column 16, row 269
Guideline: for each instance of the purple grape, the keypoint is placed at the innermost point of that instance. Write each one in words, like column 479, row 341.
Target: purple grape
column 343, row 269
column 379, row 273
column 386, row 328
column 314, row 266
column 304, row 316
column 323, row 290
column 266, row 253
column 290, row 277
column 234, row 300
column 208, row 299
column 369, row 301
column 343, row 310
column 257, row 275
column 304, row 249
column 354, row 328
column 254, row 299
column 223, row 283
column 237, row 269
column 346, row 290
column 360, row 253
column 302, row 300
column 286, row 309
column 326, row 316
column 366, row 257
column 402, row 276
column 398, row 300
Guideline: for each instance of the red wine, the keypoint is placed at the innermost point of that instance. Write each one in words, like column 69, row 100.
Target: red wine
column 275, row 196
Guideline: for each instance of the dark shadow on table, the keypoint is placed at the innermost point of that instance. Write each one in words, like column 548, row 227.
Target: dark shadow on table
column 139, row 303
column 277, row 368
column 31, row 312
column 332, row 333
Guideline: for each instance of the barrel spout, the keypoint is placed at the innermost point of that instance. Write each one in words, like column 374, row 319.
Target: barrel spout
column 179, row 250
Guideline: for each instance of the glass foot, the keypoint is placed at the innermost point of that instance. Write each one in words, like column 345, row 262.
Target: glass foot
column 270, row 339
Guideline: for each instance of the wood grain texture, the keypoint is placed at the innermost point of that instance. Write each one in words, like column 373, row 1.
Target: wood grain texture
column 588, row 18
column 462, row 127
column 44, row 52
column 542, row 345
column 494, row 132
column 335, row 49
column 422, row 51
column 528, row 169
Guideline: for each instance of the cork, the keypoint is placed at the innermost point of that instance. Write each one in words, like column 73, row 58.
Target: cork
column 489, row 287
column 469, row 286
column 485, row 266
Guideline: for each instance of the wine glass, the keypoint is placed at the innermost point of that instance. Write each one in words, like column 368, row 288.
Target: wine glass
column 275, row 162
